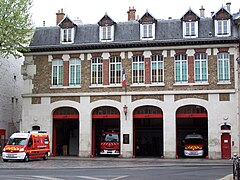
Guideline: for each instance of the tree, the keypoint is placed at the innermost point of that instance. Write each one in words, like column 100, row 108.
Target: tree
column 15, row 27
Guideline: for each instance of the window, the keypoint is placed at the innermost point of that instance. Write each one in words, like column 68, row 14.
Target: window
column 67, row 35
column 223, row 67
column 97, row 71
column 222, row 27
column 115, row 70
column 147, row 31
column 200, row 67
column 181, row 71
column 190, row 29
column 106, row 33
column 74, row 71
column 138, row 69
column 157, row 68
column 57, row 72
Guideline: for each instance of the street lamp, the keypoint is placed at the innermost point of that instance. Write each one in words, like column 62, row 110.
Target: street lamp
column 125, row 111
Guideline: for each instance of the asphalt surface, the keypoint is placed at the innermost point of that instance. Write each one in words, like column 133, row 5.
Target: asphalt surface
column 113, row 162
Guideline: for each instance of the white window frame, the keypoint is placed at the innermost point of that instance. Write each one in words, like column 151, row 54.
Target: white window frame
column 158, row 60
column 139, row 62
column 227, row 60
column 149, row 34
column 201, row 60
column 74, row 62
column 98, row 63
column 115, row 61
column 181, row 60
column 57, row 63
column 190, row 35
column 106, row 33
column 220, row 32
column 66, row 31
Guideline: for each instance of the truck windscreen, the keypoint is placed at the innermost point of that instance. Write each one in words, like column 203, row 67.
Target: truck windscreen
column 110, row 138
column 17, row 141
column 194, row 141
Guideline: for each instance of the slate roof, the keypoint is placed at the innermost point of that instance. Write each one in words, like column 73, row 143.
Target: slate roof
column 127, row 34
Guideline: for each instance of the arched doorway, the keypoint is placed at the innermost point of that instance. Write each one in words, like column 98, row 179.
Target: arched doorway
column 191, row 120
column 104, row 119
column 148, row 131
column 65, row 131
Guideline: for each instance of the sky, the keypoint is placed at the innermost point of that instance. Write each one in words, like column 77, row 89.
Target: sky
column 91, row 11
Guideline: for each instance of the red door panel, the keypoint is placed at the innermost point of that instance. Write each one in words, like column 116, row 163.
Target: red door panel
column 226, row 146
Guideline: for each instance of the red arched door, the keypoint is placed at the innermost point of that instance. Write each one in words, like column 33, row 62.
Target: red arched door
column 226, row 146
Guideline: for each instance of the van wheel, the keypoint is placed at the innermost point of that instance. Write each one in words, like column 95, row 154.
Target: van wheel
column 26, row 158
column 5, row 160
column 45, row 157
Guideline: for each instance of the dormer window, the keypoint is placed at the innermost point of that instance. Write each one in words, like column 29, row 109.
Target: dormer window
column 147, row 31
column 222, row 23
column 67, row 31
column 147, row 27
column 222, row 27
column 67, row 35
column 106, row 29
column 190, row 24
column 106, row 33
column 190, row 29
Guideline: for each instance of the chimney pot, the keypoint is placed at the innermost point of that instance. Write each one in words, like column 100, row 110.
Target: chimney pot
column 202, row 11
column 228, row 6
column 59, row 16
column 131, row 14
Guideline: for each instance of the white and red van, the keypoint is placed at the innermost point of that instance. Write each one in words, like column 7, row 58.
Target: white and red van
column 110, row 144
column 25, row 146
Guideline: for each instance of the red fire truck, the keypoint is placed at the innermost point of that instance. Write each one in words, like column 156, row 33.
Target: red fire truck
column 25, row 146
column 110, row 143
column 193, row 145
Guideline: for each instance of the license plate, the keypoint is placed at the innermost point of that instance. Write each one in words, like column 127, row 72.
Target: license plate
column 193, row 153
column 11, row 156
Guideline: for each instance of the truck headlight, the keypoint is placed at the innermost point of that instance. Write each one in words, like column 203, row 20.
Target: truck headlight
column 21, row 150
column 4, row 149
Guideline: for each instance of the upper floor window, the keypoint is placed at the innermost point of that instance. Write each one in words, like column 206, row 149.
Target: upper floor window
column 115, row 70
column 223, row 67
column 57, row 72
column 190, row 29
column 137, row 69
column 106, row 33
column 147, row 31
column 200, row 67
column 181, row 68
column 222, row 27
column 97, row 71
column 157, row 69
column 74, row 71
column 67, row 35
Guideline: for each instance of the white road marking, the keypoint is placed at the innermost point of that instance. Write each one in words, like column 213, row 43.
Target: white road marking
column 119, row 177
column 88, row 177
column 45, row 177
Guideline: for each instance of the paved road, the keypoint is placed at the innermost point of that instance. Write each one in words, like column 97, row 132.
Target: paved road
column 138, row 165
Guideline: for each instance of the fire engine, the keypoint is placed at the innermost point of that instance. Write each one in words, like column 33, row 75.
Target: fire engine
column 193, row 145
column 25, row 146
column 109, row 143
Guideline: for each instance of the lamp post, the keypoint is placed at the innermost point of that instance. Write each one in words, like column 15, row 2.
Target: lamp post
column 125, row 111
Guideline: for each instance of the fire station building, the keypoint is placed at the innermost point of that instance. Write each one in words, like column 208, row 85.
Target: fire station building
column 181, row 77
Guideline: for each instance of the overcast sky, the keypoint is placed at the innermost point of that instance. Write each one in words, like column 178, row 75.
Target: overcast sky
column 91, row 11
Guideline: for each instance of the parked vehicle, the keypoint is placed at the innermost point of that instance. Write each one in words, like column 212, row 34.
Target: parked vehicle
column 193, row 145
column 110, row 143
column 25, row 146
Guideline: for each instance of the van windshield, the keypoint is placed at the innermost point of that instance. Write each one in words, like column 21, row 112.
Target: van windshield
column 110, row 138
column 194, row 141
column 17, row 141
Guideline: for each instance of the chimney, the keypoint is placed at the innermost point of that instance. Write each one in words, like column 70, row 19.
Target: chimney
column 202, row 12
column 131, row 14
column 228, row 6
column 59, row 16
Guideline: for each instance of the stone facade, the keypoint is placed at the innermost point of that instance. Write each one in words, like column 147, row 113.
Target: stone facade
column 219, row 99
